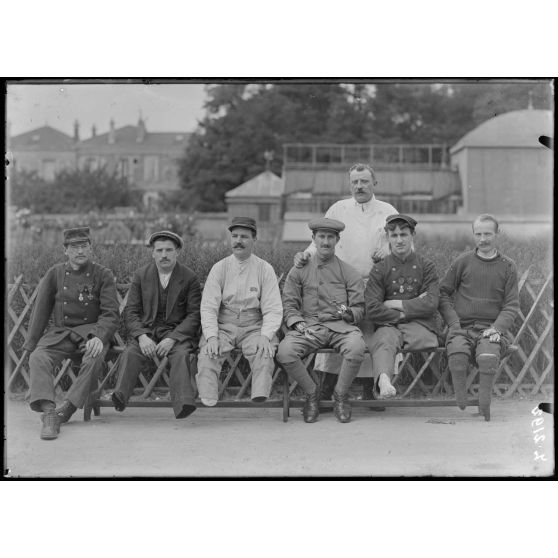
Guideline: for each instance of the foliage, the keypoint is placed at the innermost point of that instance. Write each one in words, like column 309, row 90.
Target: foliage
column 71, row 191
column 244, row 120
column 123, row 259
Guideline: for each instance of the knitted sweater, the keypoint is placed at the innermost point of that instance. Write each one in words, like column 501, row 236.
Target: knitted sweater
column 481, row 292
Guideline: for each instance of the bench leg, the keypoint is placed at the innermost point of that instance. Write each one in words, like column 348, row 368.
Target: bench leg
column 286, row 397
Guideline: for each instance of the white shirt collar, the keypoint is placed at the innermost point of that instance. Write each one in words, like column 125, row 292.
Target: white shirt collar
column 366, row 205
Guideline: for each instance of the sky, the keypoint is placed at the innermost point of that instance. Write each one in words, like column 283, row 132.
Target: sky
column 165, row 107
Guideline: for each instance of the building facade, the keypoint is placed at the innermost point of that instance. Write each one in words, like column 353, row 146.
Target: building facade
column 149, row 160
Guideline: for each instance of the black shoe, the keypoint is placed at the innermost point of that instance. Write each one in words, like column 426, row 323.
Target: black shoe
column 65, row 411
column 259, row 400
column 51, row 425
column 311, row 410
column 368, row 394
column 187, row 410
column 342, row 407
column 118, row 400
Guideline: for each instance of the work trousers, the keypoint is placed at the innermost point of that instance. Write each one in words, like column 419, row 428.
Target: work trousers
column 387, row 341
column 181, row 388
column 296, row 346
column 236, row 331
column 43, row 361
column 332, row 362
column 469, row 342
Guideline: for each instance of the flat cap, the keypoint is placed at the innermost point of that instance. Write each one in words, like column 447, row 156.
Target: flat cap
column 246, row 222
column 79, row 234
column 401, row 217
column 322, row 223
column 165, row 235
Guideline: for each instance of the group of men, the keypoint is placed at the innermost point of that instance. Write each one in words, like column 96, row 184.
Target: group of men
column 359, row 285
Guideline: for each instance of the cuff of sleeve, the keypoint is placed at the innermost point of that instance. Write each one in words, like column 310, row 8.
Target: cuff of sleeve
column 293, row 320
column 211, row 332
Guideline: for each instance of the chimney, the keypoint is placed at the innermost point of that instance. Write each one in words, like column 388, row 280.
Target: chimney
column 76, row 131
column 94, row 131
column 111, row 137
column 141, row 130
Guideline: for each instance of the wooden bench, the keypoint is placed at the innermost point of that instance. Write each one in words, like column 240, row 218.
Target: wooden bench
column 286, row 401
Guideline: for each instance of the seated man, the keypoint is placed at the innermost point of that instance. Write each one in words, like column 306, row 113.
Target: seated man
column 323, row 301
column 240, row 308
column 479, row 301
column 401, row 298
column 81, row 295
column 162, row 317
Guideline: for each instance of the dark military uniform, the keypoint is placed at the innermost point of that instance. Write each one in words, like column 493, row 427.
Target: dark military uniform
column 83, row 305
column 415, row 282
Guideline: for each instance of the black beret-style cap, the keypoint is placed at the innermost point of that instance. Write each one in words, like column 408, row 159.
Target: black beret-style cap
column 400, row 217
column 79, row 234
column 246, row 222
column 322, row 223
column 165, row 235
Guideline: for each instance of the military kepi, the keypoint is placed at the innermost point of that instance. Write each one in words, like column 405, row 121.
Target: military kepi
column 246, row 222
column 400, row 217
column 324, row 224
column 165, row 235
column 79, row 234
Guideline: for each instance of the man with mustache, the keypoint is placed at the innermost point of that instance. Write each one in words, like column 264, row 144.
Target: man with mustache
column 162, row 317
column 401, row 299
column 240, row 308
column 81, row 296
column 363, row 244
column 323, row 301
column 479, row 301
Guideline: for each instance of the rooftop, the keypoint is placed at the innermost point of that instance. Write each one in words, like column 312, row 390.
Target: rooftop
column 266, row 184
column 518, row 128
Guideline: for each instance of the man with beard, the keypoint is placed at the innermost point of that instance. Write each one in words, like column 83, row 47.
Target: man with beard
column 240, row 308
column 81, row 296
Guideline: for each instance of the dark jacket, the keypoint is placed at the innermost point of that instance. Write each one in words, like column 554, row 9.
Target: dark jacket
column 183, row 303
column 83, row 302
column 413, row 281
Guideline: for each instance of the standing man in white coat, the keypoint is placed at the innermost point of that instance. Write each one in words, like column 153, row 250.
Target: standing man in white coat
column 363, row 243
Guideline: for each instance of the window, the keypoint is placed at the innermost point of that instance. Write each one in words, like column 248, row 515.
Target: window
column 151, row 168
column 49, row 169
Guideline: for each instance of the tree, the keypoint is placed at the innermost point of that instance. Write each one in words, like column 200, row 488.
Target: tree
column 71, row 191
column 243, row 121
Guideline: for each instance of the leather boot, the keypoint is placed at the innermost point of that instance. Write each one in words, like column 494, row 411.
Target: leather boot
column 328, row 384
column 311, row 409
column 65, row 411
column 51, row 425
column 342, row 407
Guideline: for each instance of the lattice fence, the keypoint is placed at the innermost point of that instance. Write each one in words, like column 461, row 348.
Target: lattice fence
column 528, row 371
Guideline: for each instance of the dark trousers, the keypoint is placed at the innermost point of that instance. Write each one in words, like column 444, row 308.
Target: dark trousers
column 43, row 361
column 181, row 388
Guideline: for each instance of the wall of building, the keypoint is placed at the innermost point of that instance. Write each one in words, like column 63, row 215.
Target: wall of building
column 45, row 163
column 514, row 181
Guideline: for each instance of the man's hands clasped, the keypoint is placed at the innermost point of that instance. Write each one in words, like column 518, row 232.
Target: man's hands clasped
column 150, row 349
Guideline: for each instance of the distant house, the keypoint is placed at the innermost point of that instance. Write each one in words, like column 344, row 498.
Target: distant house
column 259, row 198
column 44, row 150
column 503, row 167
column 148, row 159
